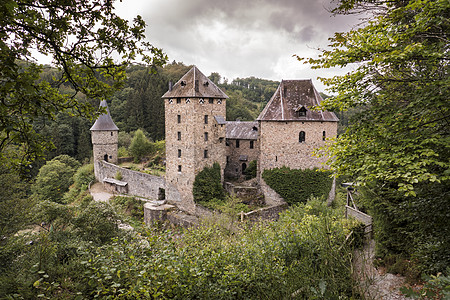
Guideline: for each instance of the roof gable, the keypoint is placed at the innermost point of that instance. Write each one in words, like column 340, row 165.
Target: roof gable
column 194, row 84
column 104, row 122
column 290, row 100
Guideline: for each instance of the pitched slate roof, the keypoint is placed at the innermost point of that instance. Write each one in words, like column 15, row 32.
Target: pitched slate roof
column 195, row 85
column 104, row 121
column 292, row 96
column 242, row 130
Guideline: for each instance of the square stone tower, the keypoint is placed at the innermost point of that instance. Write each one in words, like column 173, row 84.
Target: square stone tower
column 195, row 110
column 289, row 131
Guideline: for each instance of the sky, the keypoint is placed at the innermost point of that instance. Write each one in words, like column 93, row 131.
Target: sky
column 241, row 38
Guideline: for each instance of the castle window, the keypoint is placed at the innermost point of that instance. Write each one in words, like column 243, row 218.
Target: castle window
column 251, row 145
column 111, row 133
column 105, row 158
column 228, row 159
column 178, row 100
column 201, row 101
column 206, row 119
column 179, row 168
column 205, row 153
column 179, row 135
column 179, row 118
column 219, row 101
column 255, row 128
column 323, row 135
column 301, row 112
column 237, row 143
column 211, row 100
column 206, row 136
column 301, row 137
column 227, row 143
column 170, row 101
column 179, row 152
column 183, row 83
column 244, row 166
column 188, row 100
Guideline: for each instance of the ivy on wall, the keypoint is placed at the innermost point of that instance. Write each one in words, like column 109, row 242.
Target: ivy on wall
column 207, row 185
column 297, row 186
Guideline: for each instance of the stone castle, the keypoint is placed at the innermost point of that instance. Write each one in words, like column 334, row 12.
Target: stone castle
column 198, row 135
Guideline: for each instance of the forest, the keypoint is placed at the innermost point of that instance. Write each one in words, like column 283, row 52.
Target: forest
column 393, row 144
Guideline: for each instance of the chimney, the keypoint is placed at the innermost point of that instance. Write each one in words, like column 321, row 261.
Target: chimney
column 170, row 85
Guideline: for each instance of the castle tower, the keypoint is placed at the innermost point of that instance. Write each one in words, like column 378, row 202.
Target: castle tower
column 290, row 131
column 104, row 135
column 195, row 110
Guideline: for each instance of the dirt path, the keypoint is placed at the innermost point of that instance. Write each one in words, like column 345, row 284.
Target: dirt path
column 373, row 283
column 99, row 193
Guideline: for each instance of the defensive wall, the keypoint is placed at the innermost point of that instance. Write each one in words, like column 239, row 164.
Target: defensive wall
column 138, row 184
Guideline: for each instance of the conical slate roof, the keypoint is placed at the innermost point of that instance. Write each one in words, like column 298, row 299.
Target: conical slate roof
column 195, row 85
column 291, row 97
column 104, row 122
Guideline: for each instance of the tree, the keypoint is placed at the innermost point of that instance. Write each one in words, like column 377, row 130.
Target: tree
column 401, row 83
column 397, row 143
column 55, row 178
column 140, row 145
column 81, row 37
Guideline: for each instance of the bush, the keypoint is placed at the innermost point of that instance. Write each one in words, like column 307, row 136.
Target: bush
column 250, row 172
column 296, row 186
column 123, row 152
column 208, row 185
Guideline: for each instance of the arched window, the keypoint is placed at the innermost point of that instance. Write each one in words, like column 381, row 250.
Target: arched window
column 105, row 158
column 301, row 137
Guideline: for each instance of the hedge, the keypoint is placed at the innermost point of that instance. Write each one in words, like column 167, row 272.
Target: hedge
column 297, row 186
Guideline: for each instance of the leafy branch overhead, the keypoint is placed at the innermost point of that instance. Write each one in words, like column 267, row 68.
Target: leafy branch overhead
column 400, row 83
column 86, row 41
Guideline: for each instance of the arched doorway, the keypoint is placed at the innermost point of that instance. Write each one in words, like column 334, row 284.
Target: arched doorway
column 244, row 166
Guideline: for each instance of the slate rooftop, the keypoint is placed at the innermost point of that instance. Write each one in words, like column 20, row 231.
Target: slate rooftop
column 291, row 97
column 194, row 85
column 104, row 122
column 242, row 130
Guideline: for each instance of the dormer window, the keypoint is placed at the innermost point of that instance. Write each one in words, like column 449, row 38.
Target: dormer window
column 206, row 83
column 183, row 83
column 255, row 128
column 301, row 112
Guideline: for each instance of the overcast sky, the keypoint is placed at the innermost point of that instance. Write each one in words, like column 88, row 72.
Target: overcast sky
column 240, row 38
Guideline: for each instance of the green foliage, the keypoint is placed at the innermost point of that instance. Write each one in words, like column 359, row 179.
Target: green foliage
column 96, row 223
column 118, row 175
column 81, row 45
column 53, row 180
column 296, row 186
column 231, row 206
column 140, row 146
column 207, row 185
column 250, row 172
column 123, row 152
column 435, row 287
column 130, row 206
column 83, row 176
column 14, row 203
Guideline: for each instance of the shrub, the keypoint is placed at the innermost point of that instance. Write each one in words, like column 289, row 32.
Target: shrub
column 123, row 152
column 250, row 172
column 207, row 184
column 296, row 186
column 118, row 176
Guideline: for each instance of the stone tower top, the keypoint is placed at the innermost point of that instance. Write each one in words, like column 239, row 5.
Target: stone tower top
column 194, row 84
column 104, row 122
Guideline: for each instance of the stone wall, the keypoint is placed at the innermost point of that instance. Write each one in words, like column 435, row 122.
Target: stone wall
column 139, row 184
column 267, row 213
column 280, row 146
column 235, row 156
